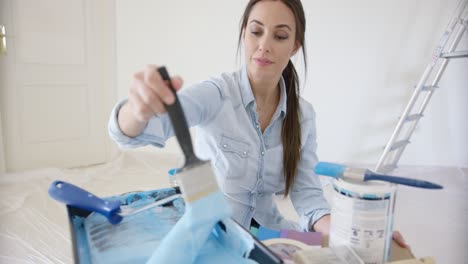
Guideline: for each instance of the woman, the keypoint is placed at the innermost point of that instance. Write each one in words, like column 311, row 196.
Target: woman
column 252, row 124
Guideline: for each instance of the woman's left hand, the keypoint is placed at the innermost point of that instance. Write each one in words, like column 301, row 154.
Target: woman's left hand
column 400, row 240
column 322, row 225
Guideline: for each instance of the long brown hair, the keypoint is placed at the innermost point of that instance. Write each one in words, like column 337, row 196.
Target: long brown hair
column 291, row 129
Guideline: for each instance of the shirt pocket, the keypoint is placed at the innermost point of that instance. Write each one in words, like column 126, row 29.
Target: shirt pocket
column 232, row 160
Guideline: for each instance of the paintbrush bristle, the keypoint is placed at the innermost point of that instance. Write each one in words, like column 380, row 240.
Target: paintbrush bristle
column 197, row 182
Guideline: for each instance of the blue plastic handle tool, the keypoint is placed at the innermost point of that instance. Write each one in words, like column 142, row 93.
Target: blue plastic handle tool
column 72, row 195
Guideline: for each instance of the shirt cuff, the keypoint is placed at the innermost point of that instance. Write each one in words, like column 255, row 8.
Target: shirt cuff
column 125, row 141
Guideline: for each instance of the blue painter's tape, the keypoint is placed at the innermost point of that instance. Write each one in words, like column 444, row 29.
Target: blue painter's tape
column 267, row 233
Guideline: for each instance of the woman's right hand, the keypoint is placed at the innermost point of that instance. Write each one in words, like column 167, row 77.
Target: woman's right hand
column 147, row 96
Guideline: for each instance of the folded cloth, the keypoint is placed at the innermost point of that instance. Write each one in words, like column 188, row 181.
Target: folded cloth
column 199, row 237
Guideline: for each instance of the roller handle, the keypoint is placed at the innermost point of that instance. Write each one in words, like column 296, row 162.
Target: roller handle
column 72, row 195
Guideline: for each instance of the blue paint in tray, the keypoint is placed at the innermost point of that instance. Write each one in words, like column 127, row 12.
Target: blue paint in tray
column 133, row 240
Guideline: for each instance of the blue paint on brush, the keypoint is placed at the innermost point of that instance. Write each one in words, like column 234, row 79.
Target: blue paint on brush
column 329, row 169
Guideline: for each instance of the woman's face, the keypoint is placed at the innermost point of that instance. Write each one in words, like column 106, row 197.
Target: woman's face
column 269, row 40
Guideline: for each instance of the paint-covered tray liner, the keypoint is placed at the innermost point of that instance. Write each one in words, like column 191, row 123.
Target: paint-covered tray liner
column 85, row 253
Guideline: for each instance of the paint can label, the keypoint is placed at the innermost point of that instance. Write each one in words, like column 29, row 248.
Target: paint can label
column 364, row 222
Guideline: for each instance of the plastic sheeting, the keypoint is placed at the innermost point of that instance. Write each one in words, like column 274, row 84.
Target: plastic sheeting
column 34, row 228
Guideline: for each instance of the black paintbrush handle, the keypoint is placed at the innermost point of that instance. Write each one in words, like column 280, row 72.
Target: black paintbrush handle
column 179, row 122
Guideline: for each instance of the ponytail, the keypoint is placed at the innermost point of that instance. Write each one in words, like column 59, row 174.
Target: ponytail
column 291, row 130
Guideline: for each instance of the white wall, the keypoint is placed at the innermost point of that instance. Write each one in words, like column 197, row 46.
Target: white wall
column 2, row 153
column 364, row 57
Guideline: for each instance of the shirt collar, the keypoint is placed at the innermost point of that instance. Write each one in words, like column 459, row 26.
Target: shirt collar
column 248, row 97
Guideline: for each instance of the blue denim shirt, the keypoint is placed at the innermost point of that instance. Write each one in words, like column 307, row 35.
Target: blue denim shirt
column 248, row 163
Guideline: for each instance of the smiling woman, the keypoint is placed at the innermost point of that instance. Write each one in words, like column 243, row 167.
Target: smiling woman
column 361, row 64
column 257, row 107
column 274, row 35
column 262, row 92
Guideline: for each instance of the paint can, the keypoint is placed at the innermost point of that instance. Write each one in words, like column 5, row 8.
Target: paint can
column 362, row 218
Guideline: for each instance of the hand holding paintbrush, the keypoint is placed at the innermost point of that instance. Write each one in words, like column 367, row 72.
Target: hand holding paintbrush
column 205, row 204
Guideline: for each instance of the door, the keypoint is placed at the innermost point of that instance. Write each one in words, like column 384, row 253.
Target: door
column 57, row 82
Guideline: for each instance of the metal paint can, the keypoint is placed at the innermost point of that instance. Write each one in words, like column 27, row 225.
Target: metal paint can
column 362, row 218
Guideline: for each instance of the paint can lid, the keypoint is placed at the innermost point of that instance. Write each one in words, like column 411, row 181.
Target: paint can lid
column 367, row 189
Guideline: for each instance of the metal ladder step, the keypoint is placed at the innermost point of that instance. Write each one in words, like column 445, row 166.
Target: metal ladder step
column 413, row 117
column 455, row 54
column 429, row 88
column 399, row 144
column 453, row 33
column 388, row 168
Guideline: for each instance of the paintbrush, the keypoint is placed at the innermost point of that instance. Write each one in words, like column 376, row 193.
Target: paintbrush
column 196, row 177
column 340, row 171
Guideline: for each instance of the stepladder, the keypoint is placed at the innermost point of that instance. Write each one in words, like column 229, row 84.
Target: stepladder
column 445, row 51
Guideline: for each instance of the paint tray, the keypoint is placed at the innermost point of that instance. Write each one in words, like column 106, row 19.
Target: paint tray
column 136, row 245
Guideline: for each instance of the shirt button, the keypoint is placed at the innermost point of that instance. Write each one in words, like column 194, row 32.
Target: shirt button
column 245, row 153
column 224, row 146
column 263, row 153
column 258, row 126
